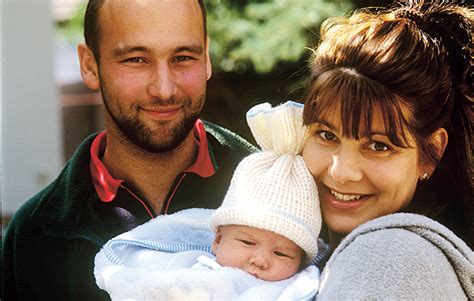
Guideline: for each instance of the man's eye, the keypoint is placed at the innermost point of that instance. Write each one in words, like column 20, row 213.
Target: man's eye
column 183, row 58
column 378, row 146
column 247, row 242
column 327, row 135
column 280, row 254
column 135, row 60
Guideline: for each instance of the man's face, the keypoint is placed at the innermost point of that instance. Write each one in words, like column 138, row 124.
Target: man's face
column 153, row 69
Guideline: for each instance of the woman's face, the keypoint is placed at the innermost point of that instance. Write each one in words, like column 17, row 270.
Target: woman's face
column 359, row 180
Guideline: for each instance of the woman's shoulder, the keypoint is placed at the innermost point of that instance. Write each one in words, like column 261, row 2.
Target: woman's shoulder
column 401, row 256
column 415, row 223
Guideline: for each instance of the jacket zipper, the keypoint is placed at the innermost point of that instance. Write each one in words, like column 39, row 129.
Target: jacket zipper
column 168, row 202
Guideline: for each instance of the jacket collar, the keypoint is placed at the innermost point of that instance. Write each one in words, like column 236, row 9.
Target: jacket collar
column 107, row 186
column 66, row 207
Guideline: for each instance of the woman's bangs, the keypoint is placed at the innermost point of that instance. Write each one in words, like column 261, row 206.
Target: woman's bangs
column 357, row 99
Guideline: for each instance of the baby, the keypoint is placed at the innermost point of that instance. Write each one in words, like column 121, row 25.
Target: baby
column 267, row 226
column 269, row 221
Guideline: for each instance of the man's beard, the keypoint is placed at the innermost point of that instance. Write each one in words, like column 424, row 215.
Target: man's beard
column 143, row 137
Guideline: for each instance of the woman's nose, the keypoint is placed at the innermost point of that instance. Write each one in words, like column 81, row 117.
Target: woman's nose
column 345, row 167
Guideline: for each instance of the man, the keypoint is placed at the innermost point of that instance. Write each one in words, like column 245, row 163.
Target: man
column 151, row 63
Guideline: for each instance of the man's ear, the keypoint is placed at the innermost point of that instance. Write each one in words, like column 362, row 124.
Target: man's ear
column 217, row 240
column 208, row 59
column 89, row 67
column 439, row 139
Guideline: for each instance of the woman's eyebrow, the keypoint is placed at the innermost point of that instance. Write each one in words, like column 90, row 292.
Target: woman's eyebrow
column 380, row 133
column 333, row 128
column 326, row 124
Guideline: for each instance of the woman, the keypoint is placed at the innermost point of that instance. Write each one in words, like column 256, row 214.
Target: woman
column 388, row 112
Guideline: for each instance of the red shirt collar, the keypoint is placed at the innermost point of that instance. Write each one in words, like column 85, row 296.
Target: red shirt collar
column 107, row 186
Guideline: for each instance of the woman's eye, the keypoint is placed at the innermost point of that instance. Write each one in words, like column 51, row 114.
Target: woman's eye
column 378, row 147
column 327, row 135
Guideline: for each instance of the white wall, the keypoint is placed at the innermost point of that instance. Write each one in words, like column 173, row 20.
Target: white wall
column 1, row 107
column 31, row 148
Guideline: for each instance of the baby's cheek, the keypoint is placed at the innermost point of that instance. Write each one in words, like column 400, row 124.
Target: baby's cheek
column 224, row 259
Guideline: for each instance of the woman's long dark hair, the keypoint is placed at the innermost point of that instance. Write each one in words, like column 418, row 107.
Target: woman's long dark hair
column 414, row 62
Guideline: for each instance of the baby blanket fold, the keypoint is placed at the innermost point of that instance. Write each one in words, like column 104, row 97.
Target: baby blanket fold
column 155, row 262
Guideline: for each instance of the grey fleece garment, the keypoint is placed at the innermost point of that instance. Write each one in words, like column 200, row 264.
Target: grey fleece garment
column 399, row 257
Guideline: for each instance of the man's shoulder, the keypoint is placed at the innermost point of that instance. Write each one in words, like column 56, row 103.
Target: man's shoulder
column 229, row 139
column 54, row 198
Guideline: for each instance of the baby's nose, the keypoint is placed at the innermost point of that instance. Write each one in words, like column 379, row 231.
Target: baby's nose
column 260, row 261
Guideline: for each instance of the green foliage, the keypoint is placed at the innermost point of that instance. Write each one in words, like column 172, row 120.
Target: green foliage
column 72, row 30
column 254, row 35
column 261, row 34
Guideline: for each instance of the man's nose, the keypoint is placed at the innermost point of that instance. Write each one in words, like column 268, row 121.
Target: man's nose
column 162, row 84
column 345, row 166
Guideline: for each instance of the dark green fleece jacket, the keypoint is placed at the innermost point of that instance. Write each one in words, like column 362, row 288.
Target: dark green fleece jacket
column 51, row 242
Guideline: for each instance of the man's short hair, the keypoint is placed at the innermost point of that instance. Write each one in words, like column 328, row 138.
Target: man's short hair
column 92, row 30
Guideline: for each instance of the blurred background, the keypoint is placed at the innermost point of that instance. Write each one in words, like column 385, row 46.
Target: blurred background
column 258, row 54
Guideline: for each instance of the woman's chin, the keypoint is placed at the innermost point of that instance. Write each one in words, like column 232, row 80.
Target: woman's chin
column 342, row 225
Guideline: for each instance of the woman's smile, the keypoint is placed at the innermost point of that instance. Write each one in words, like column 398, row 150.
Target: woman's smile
column 342, row 201
column 347, row 197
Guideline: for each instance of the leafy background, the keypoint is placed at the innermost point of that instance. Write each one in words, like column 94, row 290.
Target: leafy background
column 259, row 51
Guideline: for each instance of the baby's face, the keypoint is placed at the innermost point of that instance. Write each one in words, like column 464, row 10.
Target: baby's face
column 262, row 253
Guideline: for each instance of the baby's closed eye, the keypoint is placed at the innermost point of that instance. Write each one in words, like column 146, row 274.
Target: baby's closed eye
column 281, row 254
column 246, row 242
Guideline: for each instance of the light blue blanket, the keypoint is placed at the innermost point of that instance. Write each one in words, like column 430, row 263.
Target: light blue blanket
column 143, row 264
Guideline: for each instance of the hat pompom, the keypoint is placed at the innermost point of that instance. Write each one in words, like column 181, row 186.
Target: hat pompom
column 279, row 129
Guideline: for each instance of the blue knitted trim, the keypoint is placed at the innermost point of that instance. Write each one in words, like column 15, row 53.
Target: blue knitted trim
column 291, row 217
column 266, row 108
column 109, row 253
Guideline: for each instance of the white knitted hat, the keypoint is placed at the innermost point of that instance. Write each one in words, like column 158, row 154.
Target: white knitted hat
column 273, row 189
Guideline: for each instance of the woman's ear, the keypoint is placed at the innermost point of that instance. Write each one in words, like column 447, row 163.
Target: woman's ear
column 217, row 240
column 89, row 67
column 439, row 139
